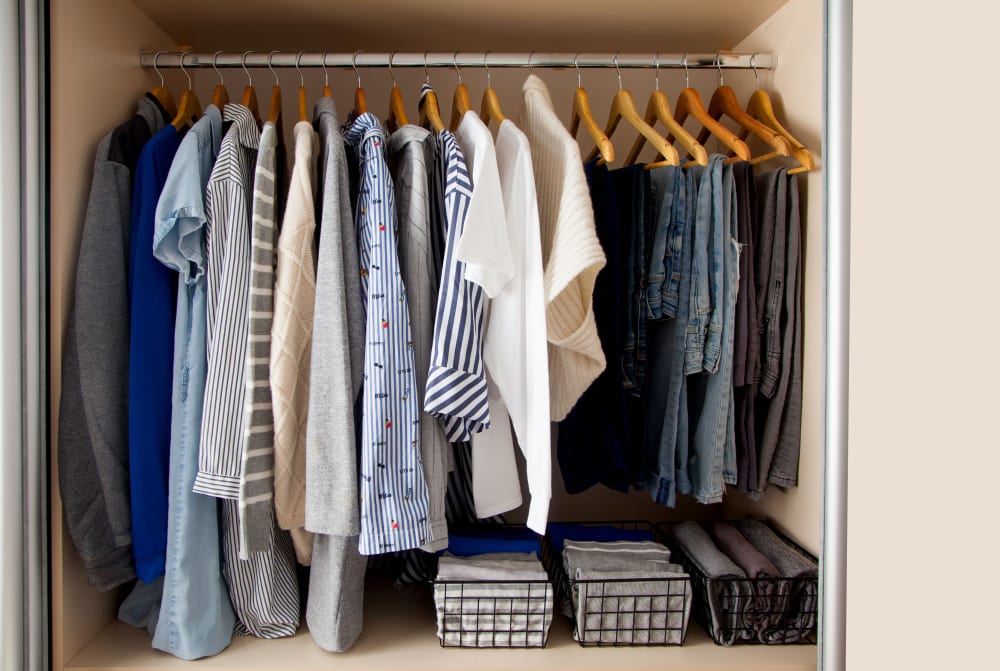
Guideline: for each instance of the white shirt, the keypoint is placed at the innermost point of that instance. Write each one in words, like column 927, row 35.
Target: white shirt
column 485, row 250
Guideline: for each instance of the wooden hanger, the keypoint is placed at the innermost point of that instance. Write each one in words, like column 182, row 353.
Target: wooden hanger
column 582, row 114
column 491, row 103
column 658, row 109
column 249, row 95
column 623, row 107
column 397, row 111
column 760, row 108
column 189, row 108
column 689, row 104
column 430, row 116
column 161, row 93
column 274, row 109
column 460, row 102
column 360, row 102
column 724, row 102
column 220, row 96
column 303, row 107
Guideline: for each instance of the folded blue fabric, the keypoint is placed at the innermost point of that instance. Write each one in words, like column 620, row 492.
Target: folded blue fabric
column 560, row 532
column 503, row 539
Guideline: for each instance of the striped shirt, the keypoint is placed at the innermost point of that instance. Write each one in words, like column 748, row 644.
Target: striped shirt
column 223, row 440
column 263, row 589
column 257, row 482
column 394, row 512
column 456, row 383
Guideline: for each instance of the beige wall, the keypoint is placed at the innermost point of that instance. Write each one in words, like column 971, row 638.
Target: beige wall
column 796, row 89
column 94, row 85
column 924, row 445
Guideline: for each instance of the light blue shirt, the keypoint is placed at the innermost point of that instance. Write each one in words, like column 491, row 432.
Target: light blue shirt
column 196, row 616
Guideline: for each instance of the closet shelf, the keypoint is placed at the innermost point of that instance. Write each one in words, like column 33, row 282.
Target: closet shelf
column 400, row 635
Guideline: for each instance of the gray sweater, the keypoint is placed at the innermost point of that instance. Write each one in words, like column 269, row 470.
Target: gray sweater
column 93, row 408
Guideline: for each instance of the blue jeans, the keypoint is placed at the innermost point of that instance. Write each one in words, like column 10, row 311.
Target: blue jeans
column 704, row 330
column 667, row 238
column 196, row 616
column 665, row 428
column 712, row 462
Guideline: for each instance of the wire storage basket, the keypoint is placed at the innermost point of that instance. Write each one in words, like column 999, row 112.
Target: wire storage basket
column 638, row 610
column 763, row 610
column 495, row 613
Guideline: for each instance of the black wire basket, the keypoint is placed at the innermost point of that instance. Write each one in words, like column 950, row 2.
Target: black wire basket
column 494, row 613
column 622, row 611
column 769, row 611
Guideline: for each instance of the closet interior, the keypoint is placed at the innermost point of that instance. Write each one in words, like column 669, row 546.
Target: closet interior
column 97, row 53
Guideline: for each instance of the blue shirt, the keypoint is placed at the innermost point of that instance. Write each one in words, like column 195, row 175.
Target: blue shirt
column 152, row 298
column 196, row 617
column 394, row 513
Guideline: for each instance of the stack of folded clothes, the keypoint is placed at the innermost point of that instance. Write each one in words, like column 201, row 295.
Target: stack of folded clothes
column 495, row 595
column 622, row 587
column 756, row 586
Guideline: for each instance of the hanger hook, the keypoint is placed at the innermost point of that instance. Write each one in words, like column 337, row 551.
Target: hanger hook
column 156, row 57
column 184, row 70
column 687, row 76
column 243, row 62
column 656, row 64
column 271, row 67
column 615, row 61
column 756, row 77
column 354, row 64
column 454, row 62
column 576, row 63
column 718, row 66
column 302, row 80
column 489, row 78
column 391, row 73
column 531, row 57
column 427, row 74
column 326, row 75
column 215, row 66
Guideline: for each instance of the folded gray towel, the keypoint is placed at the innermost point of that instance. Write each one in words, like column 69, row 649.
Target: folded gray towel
column 727, row 597
column 798, row 598
column 488, row 614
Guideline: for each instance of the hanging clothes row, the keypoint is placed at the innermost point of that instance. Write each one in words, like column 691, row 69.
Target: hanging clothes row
column 271, row 374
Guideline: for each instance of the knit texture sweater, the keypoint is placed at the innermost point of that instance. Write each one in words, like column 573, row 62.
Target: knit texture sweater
column 571, row 253
column 291, row 343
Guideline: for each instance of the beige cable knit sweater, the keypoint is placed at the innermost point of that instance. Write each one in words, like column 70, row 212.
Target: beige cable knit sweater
column 291, row 343
column 571, row 252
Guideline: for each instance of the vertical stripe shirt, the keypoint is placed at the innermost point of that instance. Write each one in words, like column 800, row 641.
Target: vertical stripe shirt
column 394, row 513
column 456, row 383
column 220, row 460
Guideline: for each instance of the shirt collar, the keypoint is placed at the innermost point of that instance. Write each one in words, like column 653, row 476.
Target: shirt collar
column 325, row 107
column 247, row 131
column 365, row 126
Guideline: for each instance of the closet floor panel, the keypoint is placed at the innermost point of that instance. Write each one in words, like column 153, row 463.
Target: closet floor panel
column 399, row 635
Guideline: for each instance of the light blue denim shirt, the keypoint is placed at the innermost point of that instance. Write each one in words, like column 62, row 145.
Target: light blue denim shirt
column 196, row 616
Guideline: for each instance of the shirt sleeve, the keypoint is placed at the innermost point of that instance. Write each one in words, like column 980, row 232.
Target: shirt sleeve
column 484, row 247
column 180, row 216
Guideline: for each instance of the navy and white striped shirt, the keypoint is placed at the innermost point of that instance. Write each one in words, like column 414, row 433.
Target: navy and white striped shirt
column 394, row 512
column 456, row 383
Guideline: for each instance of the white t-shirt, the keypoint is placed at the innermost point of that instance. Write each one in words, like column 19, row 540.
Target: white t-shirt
column 485, row 250
column 516, row 347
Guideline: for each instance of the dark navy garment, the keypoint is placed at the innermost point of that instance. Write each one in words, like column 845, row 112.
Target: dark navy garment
column 593, row 438
column 153, row 303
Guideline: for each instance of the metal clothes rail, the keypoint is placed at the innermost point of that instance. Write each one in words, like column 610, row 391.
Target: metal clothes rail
column 463, row 59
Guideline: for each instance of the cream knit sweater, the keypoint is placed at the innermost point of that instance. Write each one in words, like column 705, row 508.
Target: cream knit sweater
column 291, row 343
column 571, row 252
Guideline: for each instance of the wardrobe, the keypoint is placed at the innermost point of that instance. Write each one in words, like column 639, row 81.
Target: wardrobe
column 95, row 79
